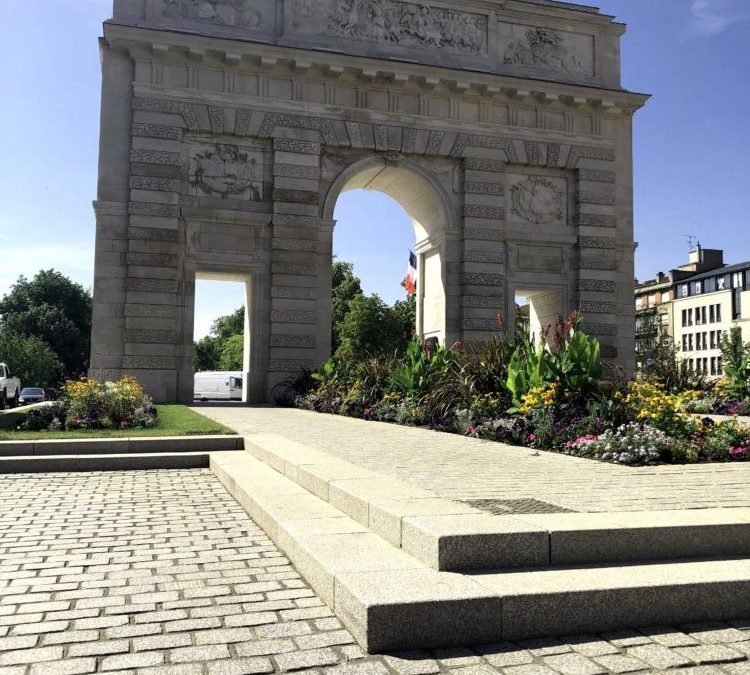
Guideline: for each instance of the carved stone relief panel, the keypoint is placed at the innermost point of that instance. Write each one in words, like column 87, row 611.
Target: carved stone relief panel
column 543, row 49
column 237, row 16
column 404, row 24
column 538, row 199
column 227, row 172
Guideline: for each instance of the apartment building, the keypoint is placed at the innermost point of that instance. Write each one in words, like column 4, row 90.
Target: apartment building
column 695, row 304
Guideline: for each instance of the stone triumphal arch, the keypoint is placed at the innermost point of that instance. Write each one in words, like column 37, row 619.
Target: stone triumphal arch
column 230, row 128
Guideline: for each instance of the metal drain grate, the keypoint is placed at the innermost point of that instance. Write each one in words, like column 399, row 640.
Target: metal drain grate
column 507, row 507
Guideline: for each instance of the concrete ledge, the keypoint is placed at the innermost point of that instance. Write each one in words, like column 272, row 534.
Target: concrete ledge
column 451, row 536
column 122, row 446
column 109, row 462
column 391, row 601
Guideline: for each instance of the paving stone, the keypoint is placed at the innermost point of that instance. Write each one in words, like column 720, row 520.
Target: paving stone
column 301, row 660
column 626, row 638
column 737, row 668
column 65, row 667
column 412, row 663
column 714, row 634
column 457, row 657
column 373, row 667
column 505, row 654
column 574, row 664
column 658, row 656
column 713, row 653
column 670, row 637
column 333, row 638
column 264, row 647
column 241, row 667
column 531, row 669
column 546, row 646
column 154, row 642
column 619, row 664
column 123, row 661
column 201, row 653
column 29, row 656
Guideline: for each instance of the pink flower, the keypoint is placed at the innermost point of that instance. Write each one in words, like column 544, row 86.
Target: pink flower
column 532, row 437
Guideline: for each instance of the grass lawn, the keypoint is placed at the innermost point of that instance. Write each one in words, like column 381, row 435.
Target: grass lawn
column 173, row 420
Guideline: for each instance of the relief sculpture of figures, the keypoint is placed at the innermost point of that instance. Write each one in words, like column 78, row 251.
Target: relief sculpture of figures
column 543, row 47
column 411, row 24
column 537, row 200
column 235, row 13
column 226, row 172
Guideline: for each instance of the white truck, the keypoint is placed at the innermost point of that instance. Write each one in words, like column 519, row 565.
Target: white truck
column 218, row 386
column 10, row 388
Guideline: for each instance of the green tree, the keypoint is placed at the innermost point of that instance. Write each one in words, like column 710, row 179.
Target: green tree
column 57, row 311
column 371, row 327
column 31, row 360
column 232, row 352
column 345, row 288
column 736, row 359
column 209, row 351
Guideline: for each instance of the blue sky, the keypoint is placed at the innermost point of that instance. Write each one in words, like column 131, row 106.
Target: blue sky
column 691, row 144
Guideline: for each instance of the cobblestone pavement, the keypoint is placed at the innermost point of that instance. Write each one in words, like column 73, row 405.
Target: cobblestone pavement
column 465, row 468
column 162, row 573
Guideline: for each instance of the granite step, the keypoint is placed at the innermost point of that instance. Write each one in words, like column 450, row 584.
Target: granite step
column 453, row 536
column 144, row 461
column 391, row 600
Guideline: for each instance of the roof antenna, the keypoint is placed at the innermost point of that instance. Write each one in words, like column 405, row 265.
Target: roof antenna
column 691, row 239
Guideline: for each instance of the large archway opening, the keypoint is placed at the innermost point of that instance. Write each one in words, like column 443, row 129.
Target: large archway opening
column 402, row 192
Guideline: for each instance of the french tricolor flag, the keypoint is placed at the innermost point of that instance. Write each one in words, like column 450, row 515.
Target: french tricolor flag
column 411, row 276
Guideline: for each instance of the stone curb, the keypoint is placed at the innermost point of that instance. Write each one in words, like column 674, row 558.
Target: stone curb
column 391, row 601
column 109, row 462
column 121, row 446
column 452, row 536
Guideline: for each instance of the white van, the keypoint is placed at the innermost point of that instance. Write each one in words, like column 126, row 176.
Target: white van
column 218, row 386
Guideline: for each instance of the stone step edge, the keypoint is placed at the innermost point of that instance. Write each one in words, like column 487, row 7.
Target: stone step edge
column 451, row 536
column 391, row 601
column 108, row 462
column 121, row 446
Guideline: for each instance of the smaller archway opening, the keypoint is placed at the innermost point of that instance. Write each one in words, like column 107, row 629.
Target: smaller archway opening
column 537, row 310
column 221, row 335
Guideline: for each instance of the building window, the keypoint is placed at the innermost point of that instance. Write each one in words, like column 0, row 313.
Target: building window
column 712, row 314
column 719, row 366
column 690, row 317
column 721, row 283
column 713, row 365
column 713, row 339
column 684, row 318
column 703, row 314
column 690, row 343
column 684, row 291
column 737, row 280
column 698, row 287
column 718, row 313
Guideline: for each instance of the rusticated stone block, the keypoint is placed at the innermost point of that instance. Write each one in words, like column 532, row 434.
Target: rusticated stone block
column 291, row 365
column 153, row 234
column 151, row 285
column 483, row 234
column 477, row 188
column 154, row 183
column 289, row 220
column 187, row 110
column 486, row 212
column 152, row 259
column 597, row 176
column 293, row 341
column 157, row 131
column 482, row 164
column 579, row 152
column 484, row 257
column 149, row 362
column 296, row 171
column 154, row 209
column 605, row 198
column 293, row 293
column 482, row 280
column 155, row 157
column 480, row 324
column 296, row 196
column 597, row 263
column 294, row 317
column 598, row 329
column 597, row 285
column 606, row 243
column 151, row 311
column 294, row 145
column 598, row 308
column 484, row 301
column 596, row 220
column 155, row 337
column 303, row 269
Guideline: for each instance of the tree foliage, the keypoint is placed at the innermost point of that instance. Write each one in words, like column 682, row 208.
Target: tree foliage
column 31, row 360
column 736, row 359
column 56, row 311
column 345, row 288
column 232, row 352
column 209, row 351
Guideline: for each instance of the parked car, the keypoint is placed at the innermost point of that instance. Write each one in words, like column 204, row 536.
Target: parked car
column 10, row 388
column 31, row 395
column 218, row 386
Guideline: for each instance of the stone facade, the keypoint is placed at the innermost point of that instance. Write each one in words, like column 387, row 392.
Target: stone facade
column 230, row 128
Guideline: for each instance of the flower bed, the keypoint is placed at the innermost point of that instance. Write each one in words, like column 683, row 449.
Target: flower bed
column 550, row 397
